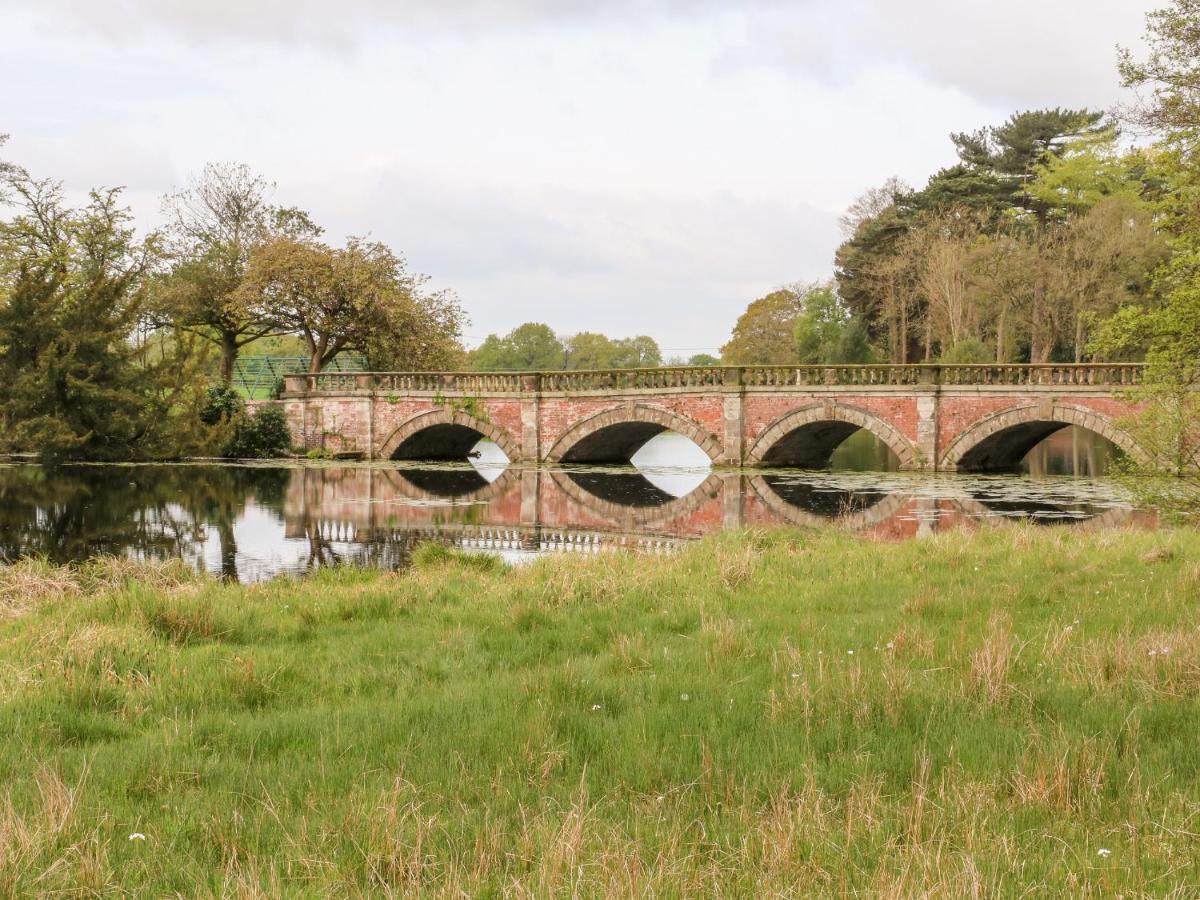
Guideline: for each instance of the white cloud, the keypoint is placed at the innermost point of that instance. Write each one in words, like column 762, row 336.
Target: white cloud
column 633, row 166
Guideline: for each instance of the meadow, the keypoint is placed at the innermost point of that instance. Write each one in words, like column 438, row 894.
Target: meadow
column 1009, row 712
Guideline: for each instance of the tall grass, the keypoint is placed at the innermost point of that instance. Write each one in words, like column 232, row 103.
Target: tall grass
column 788, row 713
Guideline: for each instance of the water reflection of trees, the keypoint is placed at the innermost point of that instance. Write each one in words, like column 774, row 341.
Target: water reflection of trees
column 71, row 513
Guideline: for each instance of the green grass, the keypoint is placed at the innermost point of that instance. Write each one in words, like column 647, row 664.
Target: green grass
column 772, row 713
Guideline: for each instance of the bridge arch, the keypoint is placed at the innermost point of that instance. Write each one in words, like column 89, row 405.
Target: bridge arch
column 444, row 433
column 999, row 442
column 855, row 519
column 806, row 437
column 621, row 516
column 614, row 435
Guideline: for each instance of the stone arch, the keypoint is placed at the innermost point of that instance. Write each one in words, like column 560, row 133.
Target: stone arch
column 807, row 437
column 407, row 483
column 628, row 518
column 1001, row 440
column 863, row 518
column 616, row 434
column 444, row 433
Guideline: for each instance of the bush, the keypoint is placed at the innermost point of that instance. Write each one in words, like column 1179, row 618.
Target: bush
column 263, row 435
column 971, row 351
column 222, row 404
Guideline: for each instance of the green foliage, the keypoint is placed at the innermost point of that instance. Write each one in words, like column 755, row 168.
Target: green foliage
column 968, row 351
column 262, row 435
column 588, row 350
column 79, row 379
column 764, row 334
column 703, row 359
column 532, row 347
column 223, row 404
column 826, row 332
column 639, row 352
column 1167, row 80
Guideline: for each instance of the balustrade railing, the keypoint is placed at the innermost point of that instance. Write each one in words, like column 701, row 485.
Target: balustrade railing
column 1113, row 375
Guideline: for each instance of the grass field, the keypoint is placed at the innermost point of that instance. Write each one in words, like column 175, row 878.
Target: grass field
column 1010, row 713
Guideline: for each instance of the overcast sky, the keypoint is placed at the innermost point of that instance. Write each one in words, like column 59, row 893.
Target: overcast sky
column 625, row 166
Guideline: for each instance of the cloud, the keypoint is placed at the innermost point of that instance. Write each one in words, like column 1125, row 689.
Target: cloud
column 594, row 260
column 633, row 166
column 1013, row 53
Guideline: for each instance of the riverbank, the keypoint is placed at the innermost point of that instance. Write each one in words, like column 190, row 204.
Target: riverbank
column 795, row 712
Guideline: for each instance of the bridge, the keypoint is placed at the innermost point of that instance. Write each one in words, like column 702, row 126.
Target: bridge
column 934, row 418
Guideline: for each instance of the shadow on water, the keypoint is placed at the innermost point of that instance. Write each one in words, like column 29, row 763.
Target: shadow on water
column 820, row 500
column 448, row 483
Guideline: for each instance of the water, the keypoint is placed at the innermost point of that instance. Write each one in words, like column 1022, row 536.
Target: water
column 251, row 522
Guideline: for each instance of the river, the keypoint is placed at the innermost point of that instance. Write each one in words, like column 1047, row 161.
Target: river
column 253, row 521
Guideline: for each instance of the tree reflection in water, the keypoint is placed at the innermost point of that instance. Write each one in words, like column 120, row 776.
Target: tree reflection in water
column 250, row 522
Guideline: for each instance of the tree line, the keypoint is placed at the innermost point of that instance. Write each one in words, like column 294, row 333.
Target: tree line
column 1053, row 238
column 115, row 345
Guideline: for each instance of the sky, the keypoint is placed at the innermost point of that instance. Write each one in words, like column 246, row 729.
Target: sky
column 623, row 166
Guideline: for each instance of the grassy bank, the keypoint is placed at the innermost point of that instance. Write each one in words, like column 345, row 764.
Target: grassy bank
column 1014, row 712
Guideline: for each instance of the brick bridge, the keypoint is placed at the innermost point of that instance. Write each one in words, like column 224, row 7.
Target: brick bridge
column 975, row 418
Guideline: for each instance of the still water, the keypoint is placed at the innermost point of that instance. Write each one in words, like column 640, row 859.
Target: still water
column 250, row 522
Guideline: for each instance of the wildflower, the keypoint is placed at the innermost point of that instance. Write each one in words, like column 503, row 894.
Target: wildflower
column 137, row 836
column 795, row 674
column 1104, row 853
column 595, row 706
column 849, row 652
column 683, row 697
column 891, row 645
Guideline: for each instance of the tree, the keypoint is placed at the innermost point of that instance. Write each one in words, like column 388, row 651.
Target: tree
column 213, row 226
column 588, row 350
column 358, row 298
column 639, row 352
column 1171, row 72
column 872, row 203
column 77, row 385
column 827, row 332
column 703, row 359
column 764, row 334
column 531, row 347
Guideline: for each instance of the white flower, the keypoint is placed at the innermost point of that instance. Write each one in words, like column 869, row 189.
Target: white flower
column 891, row 645
column 595, row 706
column 849, row 652
column 1104, row 853
column 137, row 836
column 683, row 697
column 795, row 674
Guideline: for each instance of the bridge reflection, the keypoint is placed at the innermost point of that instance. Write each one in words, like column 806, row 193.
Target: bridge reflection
column 377, row 515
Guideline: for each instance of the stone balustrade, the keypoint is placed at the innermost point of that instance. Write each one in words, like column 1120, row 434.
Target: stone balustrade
column 1108, row 375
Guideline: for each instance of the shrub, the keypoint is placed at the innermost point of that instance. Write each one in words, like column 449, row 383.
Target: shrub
column 222, row 404
column 967, row 352
column 263, row 435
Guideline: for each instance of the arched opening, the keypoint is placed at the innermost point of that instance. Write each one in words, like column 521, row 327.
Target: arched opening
column 444, row 441
column 1072, row 451
column 1060, row 439
column 632, row 489
column 828, row 501
column 616, row 435
column 449, row 483
column 836, row 446
column 832, row 436
column 446, row 434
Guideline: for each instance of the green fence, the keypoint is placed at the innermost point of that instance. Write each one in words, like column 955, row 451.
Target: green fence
column 257, row 377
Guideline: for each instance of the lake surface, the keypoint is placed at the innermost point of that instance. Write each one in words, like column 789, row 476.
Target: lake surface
column 255, row 521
